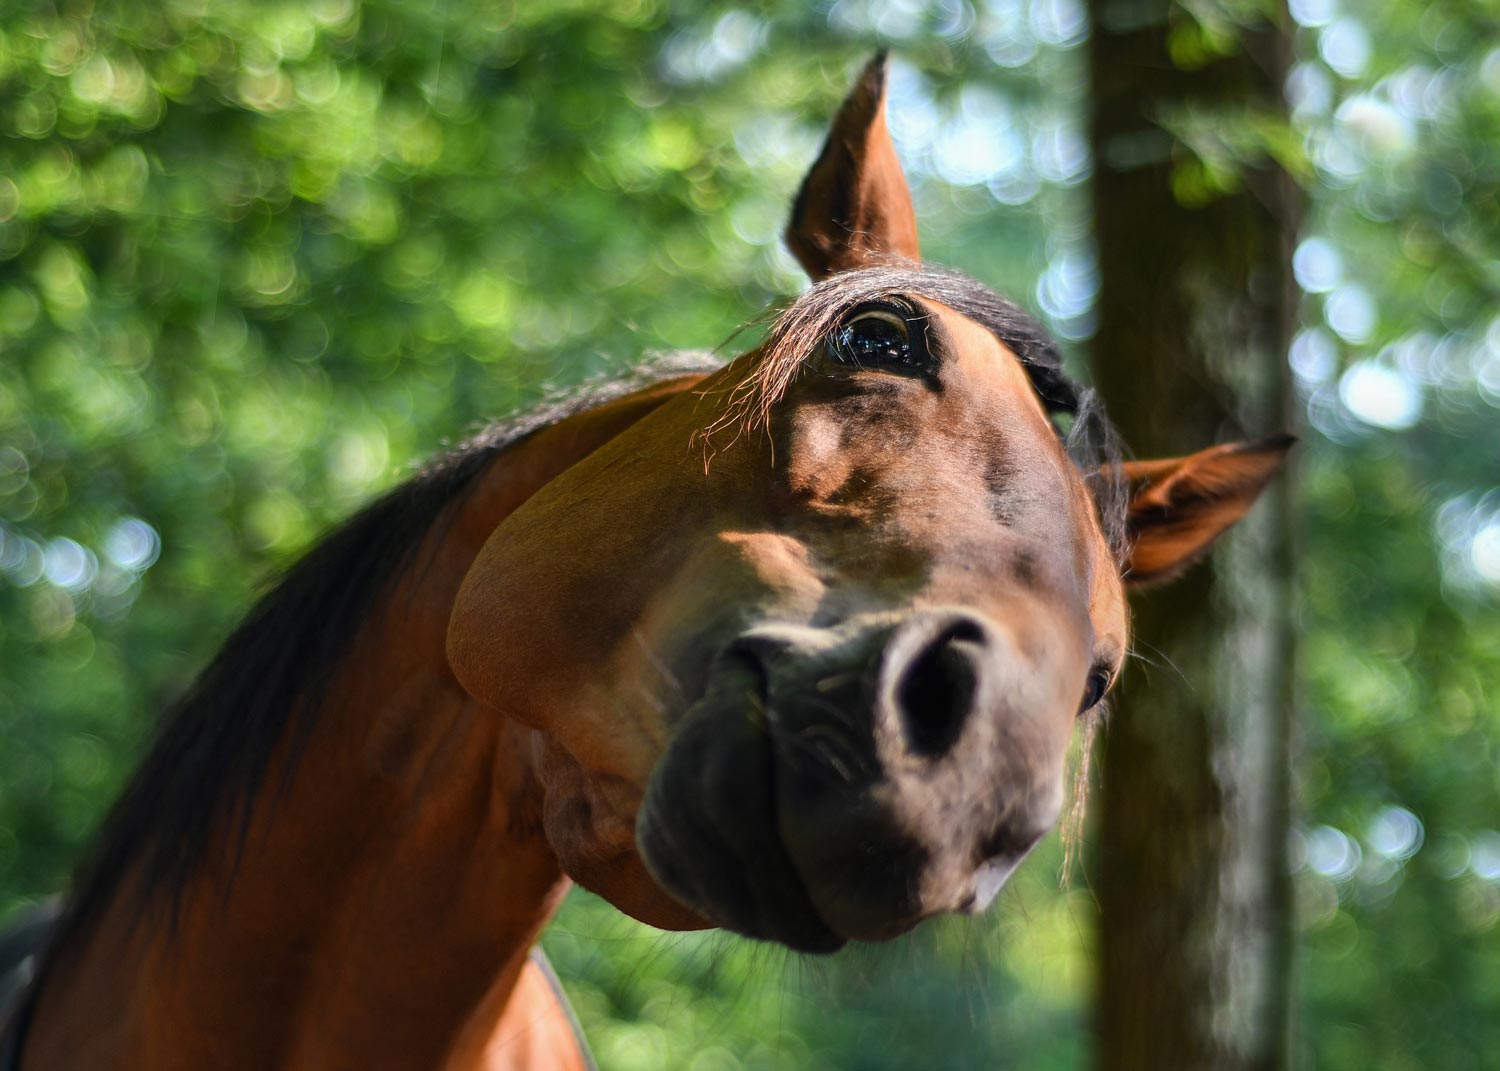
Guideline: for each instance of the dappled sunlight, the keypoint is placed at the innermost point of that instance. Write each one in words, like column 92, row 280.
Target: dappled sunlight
column 256, row 262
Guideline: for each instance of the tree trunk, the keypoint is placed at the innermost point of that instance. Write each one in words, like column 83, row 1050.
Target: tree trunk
column 1195, row 309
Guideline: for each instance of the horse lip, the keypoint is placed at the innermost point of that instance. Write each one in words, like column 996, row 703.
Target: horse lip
column 761, row 696
column 774, row 733
column 749, row 882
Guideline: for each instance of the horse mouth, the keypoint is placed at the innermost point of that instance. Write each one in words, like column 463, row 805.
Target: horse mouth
column 709, row 827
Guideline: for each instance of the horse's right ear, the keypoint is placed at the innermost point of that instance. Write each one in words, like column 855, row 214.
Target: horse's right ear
column 1180, row 505
column 854, row 208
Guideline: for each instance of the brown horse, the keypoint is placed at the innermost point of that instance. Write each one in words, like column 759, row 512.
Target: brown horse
column 793, row 647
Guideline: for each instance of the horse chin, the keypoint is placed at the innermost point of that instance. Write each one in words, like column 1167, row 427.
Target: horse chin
column 625, row 882
column 596, row 848
column 708, row 829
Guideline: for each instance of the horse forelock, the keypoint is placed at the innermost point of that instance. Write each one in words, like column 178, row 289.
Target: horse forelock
column 802, row 326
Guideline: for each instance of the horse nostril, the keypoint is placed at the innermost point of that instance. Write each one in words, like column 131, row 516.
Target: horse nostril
column 936, row 688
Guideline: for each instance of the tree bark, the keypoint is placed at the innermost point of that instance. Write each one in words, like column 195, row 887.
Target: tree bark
column 1195, row 310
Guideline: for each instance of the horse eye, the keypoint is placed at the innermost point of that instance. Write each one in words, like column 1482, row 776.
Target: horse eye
column 872, row 337
column 1094, row 691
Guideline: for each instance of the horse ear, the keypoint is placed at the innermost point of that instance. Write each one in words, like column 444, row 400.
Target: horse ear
column 1180, row 505
column 854, row 208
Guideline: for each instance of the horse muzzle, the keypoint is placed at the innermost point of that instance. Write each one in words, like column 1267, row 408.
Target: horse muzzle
column 848, row 783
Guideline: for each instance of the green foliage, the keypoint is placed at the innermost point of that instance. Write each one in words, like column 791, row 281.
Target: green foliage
column 976, row 993
column 1397, row 366
column 257, row 259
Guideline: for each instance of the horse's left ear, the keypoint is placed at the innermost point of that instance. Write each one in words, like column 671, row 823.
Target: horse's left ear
column 854, row 208
column 1179, row 506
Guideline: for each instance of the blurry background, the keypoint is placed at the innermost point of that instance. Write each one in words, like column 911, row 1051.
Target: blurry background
column 258, row 259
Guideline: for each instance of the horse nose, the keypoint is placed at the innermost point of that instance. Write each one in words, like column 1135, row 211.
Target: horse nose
column 933, row 672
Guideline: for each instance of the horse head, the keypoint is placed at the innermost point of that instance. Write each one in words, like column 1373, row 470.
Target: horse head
column 804, row 648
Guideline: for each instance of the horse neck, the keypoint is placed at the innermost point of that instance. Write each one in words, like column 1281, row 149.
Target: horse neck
column 382, row 908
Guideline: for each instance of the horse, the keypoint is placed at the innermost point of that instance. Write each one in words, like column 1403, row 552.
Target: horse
column 792, row 646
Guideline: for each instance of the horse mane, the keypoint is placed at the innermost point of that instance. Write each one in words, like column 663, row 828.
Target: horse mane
column 263, row 690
